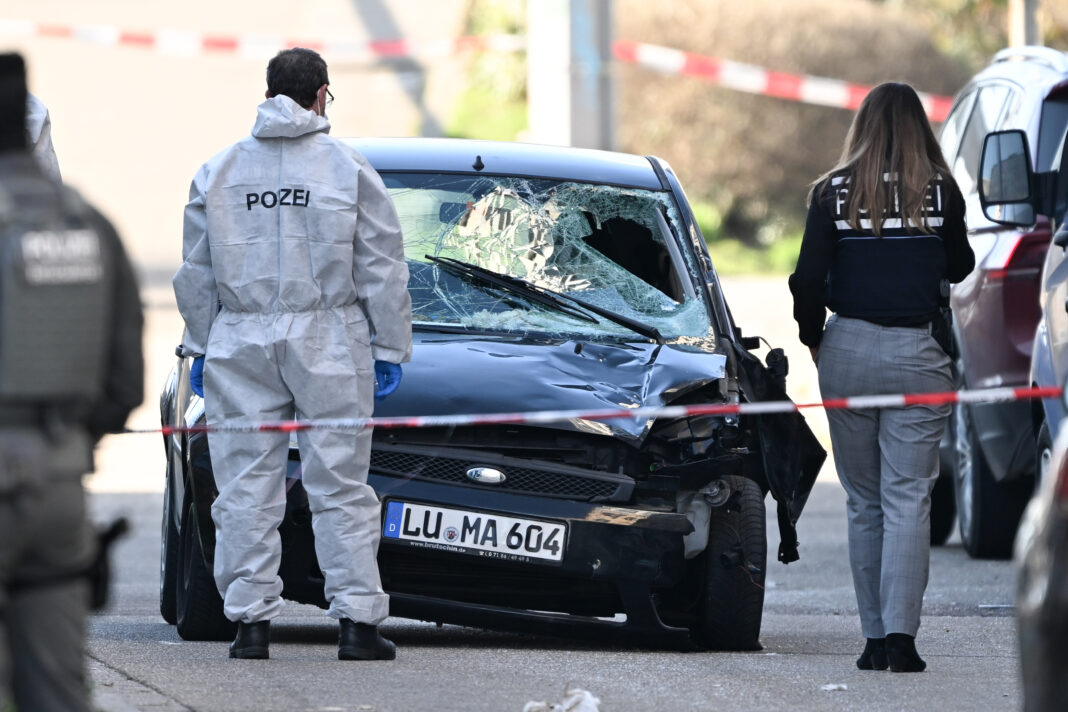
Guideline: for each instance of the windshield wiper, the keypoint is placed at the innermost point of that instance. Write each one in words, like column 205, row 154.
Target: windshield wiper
column 638, row 327
column 547, row 297
column 512, row 284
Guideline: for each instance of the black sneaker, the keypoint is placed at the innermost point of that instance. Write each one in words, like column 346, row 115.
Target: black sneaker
column 874, row 655
column 252, row 641
column 902, row 655
column 360, row 641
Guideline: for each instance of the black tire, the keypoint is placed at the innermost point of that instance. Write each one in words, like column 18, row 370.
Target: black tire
column 199, row 606
column 735, row 568
column 168, row 560
column 988, row 511
column 943, row 510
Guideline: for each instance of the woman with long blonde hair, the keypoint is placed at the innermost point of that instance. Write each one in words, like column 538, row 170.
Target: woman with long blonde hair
column 885, row 234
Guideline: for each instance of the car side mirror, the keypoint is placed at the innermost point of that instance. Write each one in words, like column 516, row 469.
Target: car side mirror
column 1006, row 182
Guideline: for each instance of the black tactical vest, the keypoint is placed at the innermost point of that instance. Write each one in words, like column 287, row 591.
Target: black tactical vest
column 55, row 284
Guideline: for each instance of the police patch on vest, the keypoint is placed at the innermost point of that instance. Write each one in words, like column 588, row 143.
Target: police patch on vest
column 61, row 257
column 296, row 197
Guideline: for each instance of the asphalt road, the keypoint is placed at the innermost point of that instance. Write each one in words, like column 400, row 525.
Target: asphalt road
column 811, row 633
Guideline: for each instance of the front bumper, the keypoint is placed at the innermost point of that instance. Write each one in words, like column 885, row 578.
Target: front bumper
column 616, row 563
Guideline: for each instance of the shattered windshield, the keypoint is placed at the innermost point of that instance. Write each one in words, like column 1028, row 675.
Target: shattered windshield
column 609, row 246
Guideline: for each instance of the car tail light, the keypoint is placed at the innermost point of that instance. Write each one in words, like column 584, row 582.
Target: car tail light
column 1020, row 257
column 1015, row 265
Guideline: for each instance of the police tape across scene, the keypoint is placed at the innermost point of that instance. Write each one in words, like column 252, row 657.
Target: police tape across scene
column 985, row 395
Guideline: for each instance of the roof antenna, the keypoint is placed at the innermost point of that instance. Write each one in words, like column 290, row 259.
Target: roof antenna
column 478, row 164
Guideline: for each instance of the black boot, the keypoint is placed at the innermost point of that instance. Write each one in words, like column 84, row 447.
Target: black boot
column 901, row 652
column 360, row 641
column 874, row 655
column 251, row 641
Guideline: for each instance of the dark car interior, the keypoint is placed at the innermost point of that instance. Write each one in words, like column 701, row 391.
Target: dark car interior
column 630, row 244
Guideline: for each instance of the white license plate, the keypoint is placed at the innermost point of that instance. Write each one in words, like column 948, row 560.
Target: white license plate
column 479, row 533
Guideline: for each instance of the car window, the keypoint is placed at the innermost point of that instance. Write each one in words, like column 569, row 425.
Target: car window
column 1051, row 129
column 1011, row 116
column 983, row 120
column 614, row 247
column 954, row 126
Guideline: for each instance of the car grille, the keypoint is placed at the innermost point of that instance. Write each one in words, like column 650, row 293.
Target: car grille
column 451, row 465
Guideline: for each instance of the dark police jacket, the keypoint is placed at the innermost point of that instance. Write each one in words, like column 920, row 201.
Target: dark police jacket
column 120, row 376
column 893, row 279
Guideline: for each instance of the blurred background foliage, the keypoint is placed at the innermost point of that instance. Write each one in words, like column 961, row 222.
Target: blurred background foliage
column 746, row 160
column 494, row 102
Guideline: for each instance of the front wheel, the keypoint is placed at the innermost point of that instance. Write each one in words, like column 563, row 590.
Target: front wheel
column 735, row 564
column 200, row 607
column 168, row 560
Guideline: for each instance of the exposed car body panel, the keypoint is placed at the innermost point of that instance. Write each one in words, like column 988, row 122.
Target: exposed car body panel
column 493, row 375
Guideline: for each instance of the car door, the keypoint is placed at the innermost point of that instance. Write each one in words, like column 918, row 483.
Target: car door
column 1053, row 154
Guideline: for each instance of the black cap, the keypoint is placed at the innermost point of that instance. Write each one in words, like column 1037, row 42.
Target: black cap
column 12, row 102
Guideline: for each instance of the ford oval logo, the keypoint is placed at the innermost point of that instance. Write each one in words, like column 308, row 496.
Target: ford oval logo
column 486, row 475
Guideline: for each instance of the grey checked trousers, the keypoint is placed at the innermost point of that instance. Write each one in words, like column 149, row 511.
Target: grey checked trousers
column 887, row 461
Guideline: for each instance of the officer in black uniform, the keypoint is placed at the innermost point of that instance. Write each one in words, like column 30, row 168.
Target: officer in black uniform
column 71, row 369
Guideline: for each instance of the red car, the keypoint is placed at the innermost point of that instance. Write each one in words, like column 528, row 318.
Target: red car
column 991, row 446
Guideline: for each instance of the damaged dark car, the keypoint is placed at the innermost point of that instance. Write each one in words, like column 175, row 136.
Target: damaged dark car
column 545, row 279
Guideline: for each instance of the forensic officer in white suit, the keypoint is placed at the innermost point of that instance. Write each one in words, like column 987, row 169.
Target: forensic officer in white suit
column 294, row 294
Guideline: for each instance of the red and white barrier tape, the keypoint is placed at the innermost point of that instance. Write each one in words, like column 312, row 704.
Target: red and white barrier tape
column 747, row 78
column 757, row 80
column 190, row 42
column 988, row 395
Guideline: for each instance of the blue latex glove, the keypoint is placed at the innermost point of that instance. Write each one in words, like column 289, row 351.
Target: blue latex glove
column 196, row 376
column 387, row 378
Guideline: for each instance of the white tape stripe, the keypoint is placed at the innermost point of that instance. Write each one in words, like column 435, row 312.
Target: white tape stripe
column 987, row 395
column 260, row 46
column 664, row 59
column 743, row 77
column 182, row 43
column 865, row 402
column 825, row 92
column 17, row 28
column 97, row 34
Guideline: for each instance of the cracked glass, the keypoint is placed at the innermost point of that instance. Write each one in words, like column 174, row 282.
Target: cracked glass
column 613, row 247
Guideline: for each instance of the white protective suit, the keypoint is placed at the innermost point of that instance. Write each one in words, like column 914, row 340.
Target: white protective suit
column 293, row 282
column 39, row 133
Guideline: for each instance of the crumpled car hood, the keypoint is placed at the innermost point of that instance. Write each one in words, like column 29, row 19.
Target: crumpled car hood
column 451, row 375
